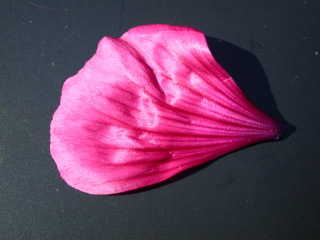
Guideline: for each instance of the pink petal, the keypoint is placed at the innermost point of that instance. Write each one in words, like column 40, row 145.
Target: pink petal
column 147, row 106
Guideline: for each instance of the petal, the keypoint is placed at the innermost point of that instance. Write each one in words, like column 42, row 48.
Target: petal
column 147, row 106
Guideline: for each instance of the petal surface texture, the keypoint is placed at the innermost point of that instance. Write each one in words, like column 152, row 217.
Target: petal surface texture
column 147, row 106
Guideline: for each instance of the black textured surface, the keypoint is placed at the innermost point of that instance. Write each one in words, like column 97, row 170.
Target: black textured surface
column 266, row 191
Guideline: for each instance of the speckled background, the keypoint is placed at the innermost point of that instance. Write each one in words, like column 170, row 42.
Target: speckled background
column 267, row 191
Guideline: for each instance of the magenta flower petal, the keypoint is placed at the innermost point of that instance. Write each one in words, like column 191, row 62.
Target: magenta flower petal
column 147, row 106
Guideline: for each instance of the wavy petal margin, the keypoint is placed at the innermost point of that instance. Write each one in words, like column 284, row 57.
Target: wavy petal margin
column 147, row 106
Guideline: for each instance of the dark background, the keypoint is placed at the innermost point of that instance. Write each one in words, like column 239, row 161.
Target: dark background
column 267, row 191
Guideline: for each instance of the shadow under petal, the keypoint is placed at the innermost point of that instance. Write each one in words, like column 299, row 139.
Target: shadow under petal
column 248, row 73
